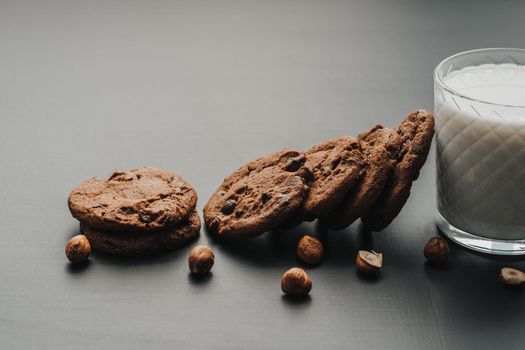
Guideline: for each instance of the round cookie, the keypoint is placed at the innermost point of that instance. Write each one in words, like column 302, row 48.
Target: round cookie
column 259, row 196
column 337, row 166
column 137, row 243
column 416, row 133
column 144, row 199
column 380, row 146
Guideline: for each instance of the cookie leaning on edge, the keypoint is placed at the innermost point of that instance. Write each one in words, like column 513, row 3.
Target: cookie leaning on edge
column 337, row 166
column 137, row 243
column 146, row 199
column 416, row 133
column 380, row 146
column 259, row 196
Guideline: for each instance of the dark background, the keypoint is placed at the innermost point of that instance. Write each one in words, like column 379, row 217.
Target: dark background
column 199, row 88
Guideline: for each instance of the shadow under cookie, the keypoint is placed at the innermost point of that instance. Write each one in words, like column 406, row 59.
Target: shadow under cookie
column 137, row 243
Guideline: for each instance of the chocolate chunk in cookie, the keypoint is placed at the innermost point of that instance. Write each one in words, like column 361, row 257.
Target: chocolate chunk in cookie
column 380, row 147
column 416, row 133
column 259, row 196
column 137, row 243
column 145, row 199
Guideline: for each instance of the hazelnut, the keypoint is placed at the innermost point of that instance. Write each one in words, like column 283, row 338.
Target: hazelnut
column 296, row 282
column 436, row 251
column 78, row 249
column 512, row 277
column 201, row 259
column 369, row 262
column 310, row 250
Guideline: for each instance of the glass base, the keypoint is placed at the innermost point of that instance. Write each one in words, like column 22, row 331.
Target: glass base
column 480, row 244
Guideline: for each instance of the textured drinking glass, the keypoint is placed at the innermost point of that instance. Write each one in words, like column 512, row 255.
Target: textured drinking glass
column 479, row 103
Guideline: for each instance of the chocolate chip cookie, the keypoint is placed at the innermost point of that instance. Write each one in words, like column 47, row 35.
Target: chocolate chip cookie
column 380, row 146
column 137, row 243
column 416, row 133
column 337, row 166
column 145, row 199
column 259, row 196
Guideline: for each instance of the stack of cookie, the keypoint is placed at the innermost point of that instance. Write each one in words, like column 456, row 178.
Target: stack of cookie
column 137, row 212
column 336, row 181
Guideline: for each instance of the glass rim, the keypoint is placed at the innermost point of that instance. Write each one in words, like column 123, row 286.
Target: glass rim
column 447, row 88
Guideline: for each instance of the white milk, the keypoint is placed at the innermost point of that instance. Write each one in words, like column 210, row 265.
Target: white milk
column 481, row 151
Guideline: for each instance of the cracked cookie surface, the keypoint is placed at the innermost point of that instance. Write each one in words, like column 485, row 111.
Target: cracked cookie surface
column 416, row 132
column 259, row 196
column 145, row 198
column 380, row 146
column 137, row 243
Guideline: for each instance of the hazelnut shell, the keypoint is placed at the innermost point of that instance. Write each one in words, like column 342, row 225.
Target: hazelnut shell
column 512, row 277
column 310, row 250
column 296, row 282
column 436, row 251
column 78, row 249
column 369, row 262
column 201, row 259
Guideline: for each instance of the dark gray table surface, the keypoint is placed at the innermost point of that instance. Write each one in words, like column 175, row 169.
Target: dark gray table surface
column 201, row 87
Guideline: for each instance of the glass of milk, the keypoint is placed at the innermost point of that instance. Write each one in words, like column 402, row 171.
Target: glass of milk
column 479, row 102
